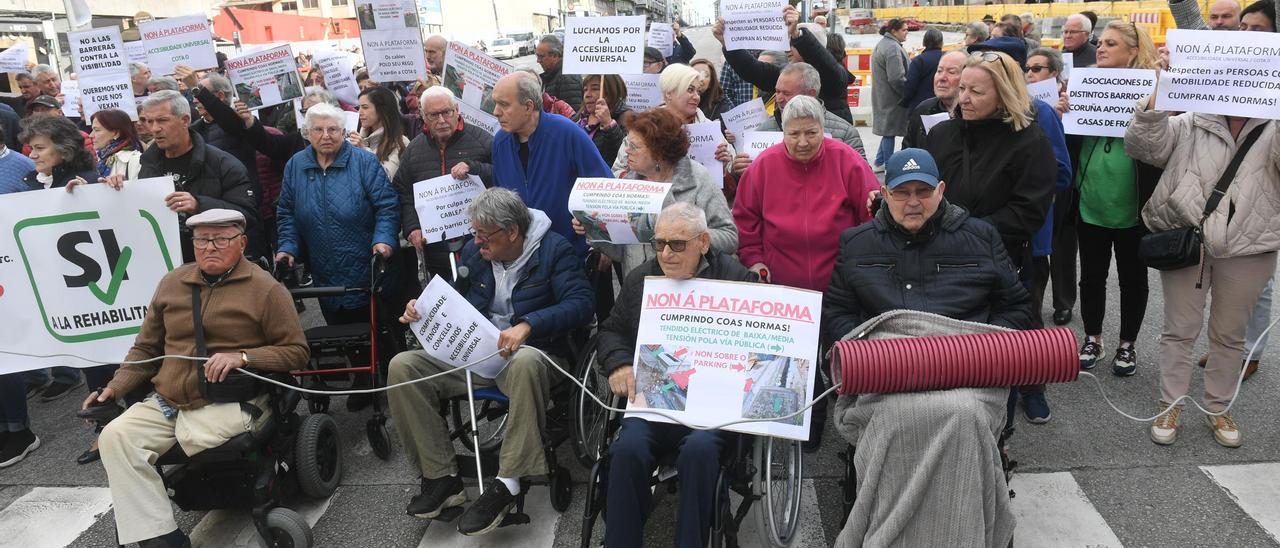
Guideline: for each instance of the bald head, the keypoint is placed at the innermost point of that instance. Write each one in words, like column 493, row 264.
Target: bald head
column 1224, row 15
column 946, row 81
column 435, row 47
column 517, row 99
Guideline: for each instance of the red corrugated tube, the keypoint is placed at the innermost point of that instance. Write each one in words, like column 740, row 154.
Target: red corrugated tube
column 961, row 361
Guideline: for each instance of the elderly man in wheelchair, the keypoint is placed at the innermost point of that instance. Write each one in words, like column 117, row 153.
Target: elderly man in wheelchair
column 251, row 322
column 531, row 284
column 927, row 464
column 683, row 248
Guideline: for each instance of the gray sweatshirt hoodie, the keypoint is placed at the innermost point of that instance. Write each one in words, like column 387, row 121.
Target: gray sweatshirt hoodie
column 506, row 275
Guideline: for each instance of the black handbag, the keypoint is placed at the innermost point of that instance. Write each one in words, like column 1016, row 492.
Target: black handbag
column 236, row 388
column 1183, row 246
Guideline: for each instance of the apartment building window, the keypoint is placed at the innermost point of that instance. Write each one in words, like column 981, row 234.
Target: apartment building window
column 310, row 4
column 288, row 6
column 340, row 2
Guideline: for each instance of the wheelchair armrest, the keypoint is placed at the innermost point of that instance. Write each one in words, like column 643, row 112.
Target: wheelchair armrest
column 331, row 291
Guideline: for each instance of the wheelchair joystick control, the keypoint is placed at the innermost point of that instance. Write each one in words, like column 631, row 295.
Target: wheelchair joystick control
column 101, row 412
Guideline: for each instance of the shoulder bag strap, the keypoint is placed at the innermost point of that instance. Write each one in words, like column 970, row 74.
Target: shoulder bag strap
column 1224, row 182
column 201, row 350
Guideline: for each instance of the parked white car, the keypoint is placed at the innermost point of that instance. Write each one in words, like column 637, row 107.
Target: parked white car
column 504, row 48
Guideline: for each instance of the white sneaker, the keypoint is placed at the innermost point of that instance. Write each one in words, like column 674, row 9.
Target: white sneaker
column 879, row 168
column 1225, row 430
column 1164, row 430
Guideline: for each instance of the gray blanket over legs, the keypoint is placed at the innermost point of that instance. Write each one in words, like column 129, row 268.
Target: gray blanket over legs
column 928, row 463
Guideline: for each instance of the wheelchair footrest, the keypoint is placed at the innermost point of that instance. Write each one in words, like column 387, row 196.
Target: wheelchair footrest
column 515, row 518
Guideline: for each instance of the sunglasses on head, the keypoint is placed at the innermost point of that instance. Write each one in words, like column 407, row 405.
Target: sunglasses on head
column 986, row 56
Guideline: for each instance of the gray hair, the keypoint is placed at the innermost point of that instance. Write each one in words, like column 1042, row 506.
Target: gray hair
column 554, row 46
column 684, row 212
column 325, row 96
column 1055, row 59
column 178, row 105
column 136, row 68
column 23, row 76
column 163, row 83
column 63, row 135
column 776, row 58
column 978, row 30
column 818, row 31
column 1028, row 18
column 38, row 70
column 437, row 91
column 801, row 107
column 324, row 110
column 218, row 82
column 528, row 88
column 1085, row 23
column 500, row 208
column 809, row 77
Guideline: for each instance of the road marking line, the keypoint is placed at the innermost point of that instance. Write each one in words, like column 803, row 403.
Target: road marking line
column 235, row 528
column 52, row 517
column 541, row 530
column 1051, row 510
column 1255, row 488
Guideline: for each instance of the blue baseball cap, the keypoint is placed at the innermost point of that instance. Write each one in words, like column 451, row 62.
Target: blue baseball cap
column 911, row 164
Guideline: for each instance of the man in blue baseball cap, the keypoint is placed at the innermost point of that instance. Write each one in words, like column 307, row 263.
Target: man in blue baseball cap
column 923, row 253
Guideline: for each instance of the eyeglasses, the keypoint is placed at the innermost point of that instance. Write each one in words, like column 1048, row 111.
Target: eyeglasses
column 481, row 237
column 903, row 194
column 441, row 114
column 1035, row 69
column 325, row 130
column 677, row 246
column 215, row 243
column 986, row 56
column 1074, row 32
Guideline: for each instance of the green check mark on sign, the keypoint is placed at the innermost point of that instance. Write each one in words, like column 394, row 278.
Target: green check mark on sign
column 117, row 276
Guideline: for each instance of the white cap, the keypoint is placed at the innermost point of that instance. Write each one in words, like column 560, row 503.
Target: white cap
column 217, row 217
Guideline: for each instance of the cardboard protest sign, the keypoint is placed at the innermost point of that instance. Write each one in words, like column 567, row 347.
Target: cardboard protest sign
column 15, row 58
column 80, row 269
column 471, row 75
column 661, row 36
column 98, row 51
column 643, row 92
column 339, row 74
column 1227, row 73
column 442, row 203
column 754, row 142
column 265, row 78
column 1103, row 100
column 70, row 98
column 745, row 117
column 454, row 332
column 107, row 91
column 754, row 24
column 604, row 45
column 1044, row 90
column 619, row 211
column 391, row 40
column 1067, row 59
column 704, row 137
column 479, row 118
column 178, row 41
column 930, row 120
column 710, row 352
column 136, row 51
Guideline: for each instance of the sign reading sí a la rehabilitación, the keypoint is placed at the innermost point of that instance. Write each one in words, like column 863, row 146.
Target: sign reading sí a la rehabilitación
column 1227, row 73
column 710, row 352
column 77, row 270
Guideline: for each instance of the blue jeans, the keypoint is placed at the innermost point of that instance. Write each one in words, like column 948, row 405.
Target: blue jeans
column 886, row 149
column 13, row 403
column 632, row 458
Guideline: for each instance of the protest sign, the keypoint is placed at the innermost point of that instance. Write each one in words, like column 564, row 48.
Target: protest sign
column 442, row 203
column 930, row 120
column 454, row 332
column 79, row 270
column 1067, row 59
column 661, row 36
column 70, row 98
column 391, row 40
column 479, row 118
column 704, row 137
column 745, row 117
column 265, row 78
column 107, row 91
column 15, row 58
column 339, row 75
column 754, row 24
column 604, row 45
column 98, row 51
column 620, row 211
column 754, row 142
column 178, row 41
column 471, row 75
column 1102, row 100
column 350, row 121
column 709, row 352
column 1231, row 73
column 643, row 92
column 1044, row 90
column 136, row 51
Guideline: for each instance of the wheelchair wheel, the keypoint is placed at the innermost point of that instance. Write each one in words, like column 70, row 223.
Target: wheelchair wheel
column 491, row 430
column 379, row 437
column 318, row 456
column 591, row 420
column 288, row 529
column 779, row 470
column 561, row 489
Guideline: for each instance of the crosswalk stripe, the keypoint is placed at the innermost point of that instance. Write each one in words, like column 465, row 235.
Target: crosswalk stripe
column 540, row 531
column 52, row 517
column 1053, row 510
column 235, row 528
column 1255, row 488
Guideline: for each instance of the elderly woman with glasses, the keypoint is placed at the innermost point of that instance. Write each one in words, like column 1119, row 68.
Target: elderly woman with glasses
column 684, row 251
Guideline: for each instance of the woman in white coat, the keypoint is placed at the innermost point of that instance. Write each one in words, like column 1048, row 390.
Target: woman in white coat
column 381, row 128
column 115, row 141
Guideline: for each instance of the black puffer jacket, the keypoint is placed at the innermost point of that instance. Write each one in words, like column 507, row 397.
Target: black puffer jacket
column 915, row 137
column 617, row 342
column 999, row 175
column 425, row 159
column 955, row 267
column 61, row 176
column 565, row 87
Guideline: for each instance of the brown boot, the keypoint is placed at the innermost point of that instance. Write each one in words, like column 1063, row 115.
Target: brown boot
column 1250, row 367
column 1204, row 360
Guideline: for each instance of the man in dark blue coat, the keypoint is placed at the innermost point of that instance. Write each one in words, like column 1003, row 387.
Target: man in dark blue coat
column 529, row 282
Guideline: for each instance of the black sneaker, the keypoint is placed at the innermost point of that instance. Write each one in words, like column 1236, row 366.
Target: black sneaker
column 1036, row 407
column 34, row 389
column 1125, row 363
column 1090, row 353
column 436, row 495
column 488, row 511
column 57, row 390
column 17, row 446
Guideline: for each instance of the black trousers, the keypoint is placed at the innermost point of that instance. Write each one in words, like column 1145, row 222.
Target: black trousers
column 1096, row 244
column 1062, row 263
